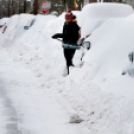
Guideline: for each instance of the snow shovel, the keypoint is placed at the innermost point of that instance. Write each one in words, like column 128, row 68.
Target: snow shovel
column 86, row 45
column 70, row 46
column 75, row 46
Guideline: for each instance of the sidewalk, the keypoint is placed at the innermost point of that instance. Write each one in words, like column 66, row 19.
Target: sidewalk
column 27, row 108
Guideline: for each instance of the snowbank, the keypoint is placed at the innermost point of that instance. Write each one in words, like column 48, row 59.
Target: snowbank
column 106, row 10
column 116, row 45
column 98, row 91
column 93, row 15
column 3, row 21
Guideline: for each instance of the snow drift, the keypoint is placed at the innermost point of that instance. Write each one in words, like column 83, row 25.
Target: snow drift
column 93, row 15
column 98, row 91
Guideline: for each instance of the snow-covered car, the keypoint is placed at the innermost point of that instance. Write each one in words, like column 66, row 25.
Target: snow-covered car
column 3, row 23
column 54, row 13
column 94, row 15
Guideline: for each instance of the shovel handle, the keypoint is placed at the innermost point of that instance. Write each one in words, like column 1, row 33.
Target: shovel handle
column 59, row 40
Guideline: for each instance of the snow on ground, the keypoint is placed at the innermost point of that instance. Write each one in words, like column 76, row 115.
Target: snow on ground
column 35, row 97
column 30, row 107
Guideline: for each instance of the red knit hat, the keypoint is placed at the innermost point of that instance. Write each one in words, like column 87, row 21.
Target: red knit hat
column 69, row 15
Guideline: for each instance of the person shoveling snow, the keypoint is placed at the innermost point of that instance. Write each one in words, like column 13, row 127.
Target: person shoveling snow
column 70, row 37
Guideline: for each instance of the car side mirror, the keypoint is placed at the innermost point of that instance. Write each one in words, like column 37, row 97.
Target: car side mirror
column 86, row 44
column 130, row 56
column 26, row 27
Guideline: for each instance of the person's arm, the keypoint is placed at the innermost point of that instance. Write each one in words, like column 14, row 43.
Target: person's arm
column 58, row 35
column 78, row 28
column 79, row 34
column 79, row 38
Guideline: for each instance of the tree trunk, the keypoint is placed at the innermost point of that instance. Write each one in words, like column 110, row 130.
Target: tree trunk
column 79, row 4
column 25, row 6
column 8, row 7
column 35, row 7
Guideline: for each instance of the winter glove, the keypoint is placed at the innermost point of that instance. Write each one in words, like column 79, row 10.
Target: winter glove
column 58, row 35
column 74, row 17
column 54, row 36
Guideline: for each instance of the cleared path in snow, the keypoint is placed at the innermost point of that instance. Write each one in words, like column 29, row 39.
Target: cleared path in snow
column 27, row 108
column 9, row 116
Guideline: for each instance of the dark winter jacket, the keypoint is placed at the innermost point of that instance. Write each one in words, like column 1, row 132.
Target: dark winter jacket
column 70, row 33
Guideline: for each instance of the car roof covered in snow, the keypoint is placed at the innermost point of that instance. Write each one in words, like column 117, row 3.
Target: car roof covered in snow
column 106, row 10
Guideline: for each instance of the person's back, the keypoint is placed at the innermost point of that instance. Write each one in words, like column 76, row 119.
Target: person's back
column 70, row 32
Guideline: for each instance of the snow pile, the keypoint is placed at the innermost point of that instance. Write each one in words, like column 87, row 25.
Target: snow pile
column 106, row 10
column 116, row 45
column 97, row 92
column 93, row 15
column 3, row 21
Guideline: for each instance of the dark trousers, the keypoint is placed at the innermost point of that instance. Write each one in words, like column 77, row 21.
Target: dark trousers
column 69, row 54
